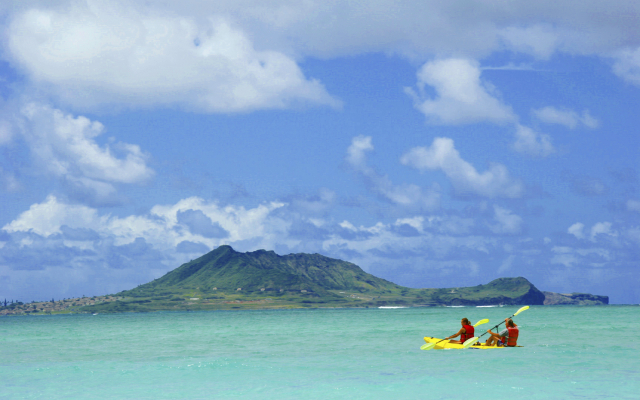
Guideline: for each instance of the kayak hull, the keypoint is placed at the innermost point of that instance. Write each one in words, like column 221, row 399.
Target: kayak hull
column 446, row 345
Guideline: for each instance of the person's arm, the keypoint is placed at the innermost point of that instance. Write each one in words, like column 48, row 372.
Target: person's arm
column 494, row 334
column 460, row 332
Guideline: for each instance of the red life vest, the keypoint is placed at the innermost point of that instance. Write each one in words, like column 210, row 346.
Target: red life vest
column 468, row 334
column 513, row 336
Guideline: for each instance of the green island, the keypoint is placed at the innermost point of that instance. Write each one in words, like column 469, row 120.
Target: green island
column 225, row 279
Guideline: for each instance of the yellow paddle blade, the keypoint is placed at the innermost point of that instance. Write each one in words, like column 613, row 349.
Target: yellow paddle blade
column 469, row 342
column 521, row 310
column 482, row 321
column 427, row 346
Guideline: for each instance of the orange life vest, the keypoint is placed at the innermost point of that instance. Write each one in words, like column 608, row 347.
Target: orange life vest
column 469, row 331
column 513, row 336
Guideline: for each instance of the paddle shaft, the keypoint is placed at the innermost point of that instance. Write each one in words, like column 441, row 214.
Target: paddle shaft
column 500, row 323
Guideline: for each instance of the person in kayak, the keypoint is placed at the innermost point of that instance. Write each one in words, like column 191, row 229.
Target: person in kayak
column 466, row 332
column 507, row 337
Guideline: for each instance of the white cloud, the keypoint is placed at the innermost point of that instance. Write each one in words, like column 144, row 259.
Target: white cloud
column 46, row 218
column 568, row 118
column 506, row 222
column 442, row 155
column 627, row 65
column 240, row 223
column 539, row 40
column 532, row 143
column 166, row 225
column 64, row 146
column 404, row 195
column 110, row 52
column 602, row 228
column 577, row 230
column 462, row 98
column 416, row 223
column 156, row 41
column 599, row 228
column 357, row 151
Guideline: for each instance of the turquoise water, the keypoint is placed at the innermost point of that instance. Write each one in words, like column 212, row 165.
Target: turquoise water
column 569, row 353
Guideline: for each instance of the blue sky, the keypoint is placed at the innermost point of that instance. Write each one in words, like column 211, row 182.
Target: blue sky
column 434, row 145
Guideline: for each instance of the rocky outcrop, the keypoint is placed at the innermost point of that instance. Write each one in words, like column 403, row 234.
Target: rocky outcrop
column 581, row 299
column 505, row 291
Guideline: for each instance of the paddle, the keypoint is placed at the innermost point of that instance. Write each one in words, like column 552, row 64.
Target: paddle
column 429, row 346
column 517, row 312
column 469, row 342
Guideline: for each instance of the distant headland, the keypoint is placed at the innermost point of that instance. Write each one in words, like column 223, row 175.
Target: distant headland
column 225, row 279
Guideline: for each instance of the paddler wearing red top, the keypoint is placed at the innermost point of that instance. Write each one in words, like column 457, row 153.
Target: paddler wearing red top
column 507, row 337
column 466, row 332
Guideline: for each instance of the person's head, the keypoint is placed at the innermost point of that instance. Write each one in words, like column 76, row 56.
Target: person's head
column 465, row 321
column 510, row 323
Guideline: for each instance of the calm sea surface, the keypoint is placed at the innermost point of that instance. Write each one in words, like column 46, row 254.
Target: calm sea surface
column 569, row 353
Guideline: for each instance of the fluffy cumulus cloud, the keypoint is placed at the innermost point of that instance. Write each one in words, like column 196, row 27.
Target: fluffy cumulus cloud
column 565, row 117
column 95, row 53
column 231, row 56
column 191, row 219
column 408, row 196
column 48, row 218
column 466, row 180
column 65, row 147
column 598, row 231
column 461, row 97
column 577, row 230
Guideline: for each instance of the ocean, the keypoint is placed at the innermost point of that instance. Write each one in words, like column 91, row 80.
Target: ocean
column 569, row 352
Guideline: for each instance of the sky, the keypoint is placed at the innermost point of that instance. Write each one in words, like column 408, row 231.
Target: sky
column 434, row 144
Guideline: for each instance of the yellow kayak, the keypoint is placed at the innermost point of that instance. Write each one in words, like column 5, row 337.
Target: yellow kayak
column 446, row 345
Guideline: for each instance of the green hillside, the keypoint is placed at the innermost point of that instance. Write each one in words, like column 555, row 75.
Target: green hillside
column 227, row 279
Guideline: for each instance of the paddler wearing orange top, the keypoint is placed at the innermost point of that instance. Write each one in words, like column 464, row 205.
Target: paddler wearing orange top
column 466, row 332
column 507, row 337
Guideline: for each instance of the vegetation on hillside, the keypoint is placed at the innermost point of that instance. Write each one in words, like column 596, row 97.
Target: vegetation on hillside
column 226, row 279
